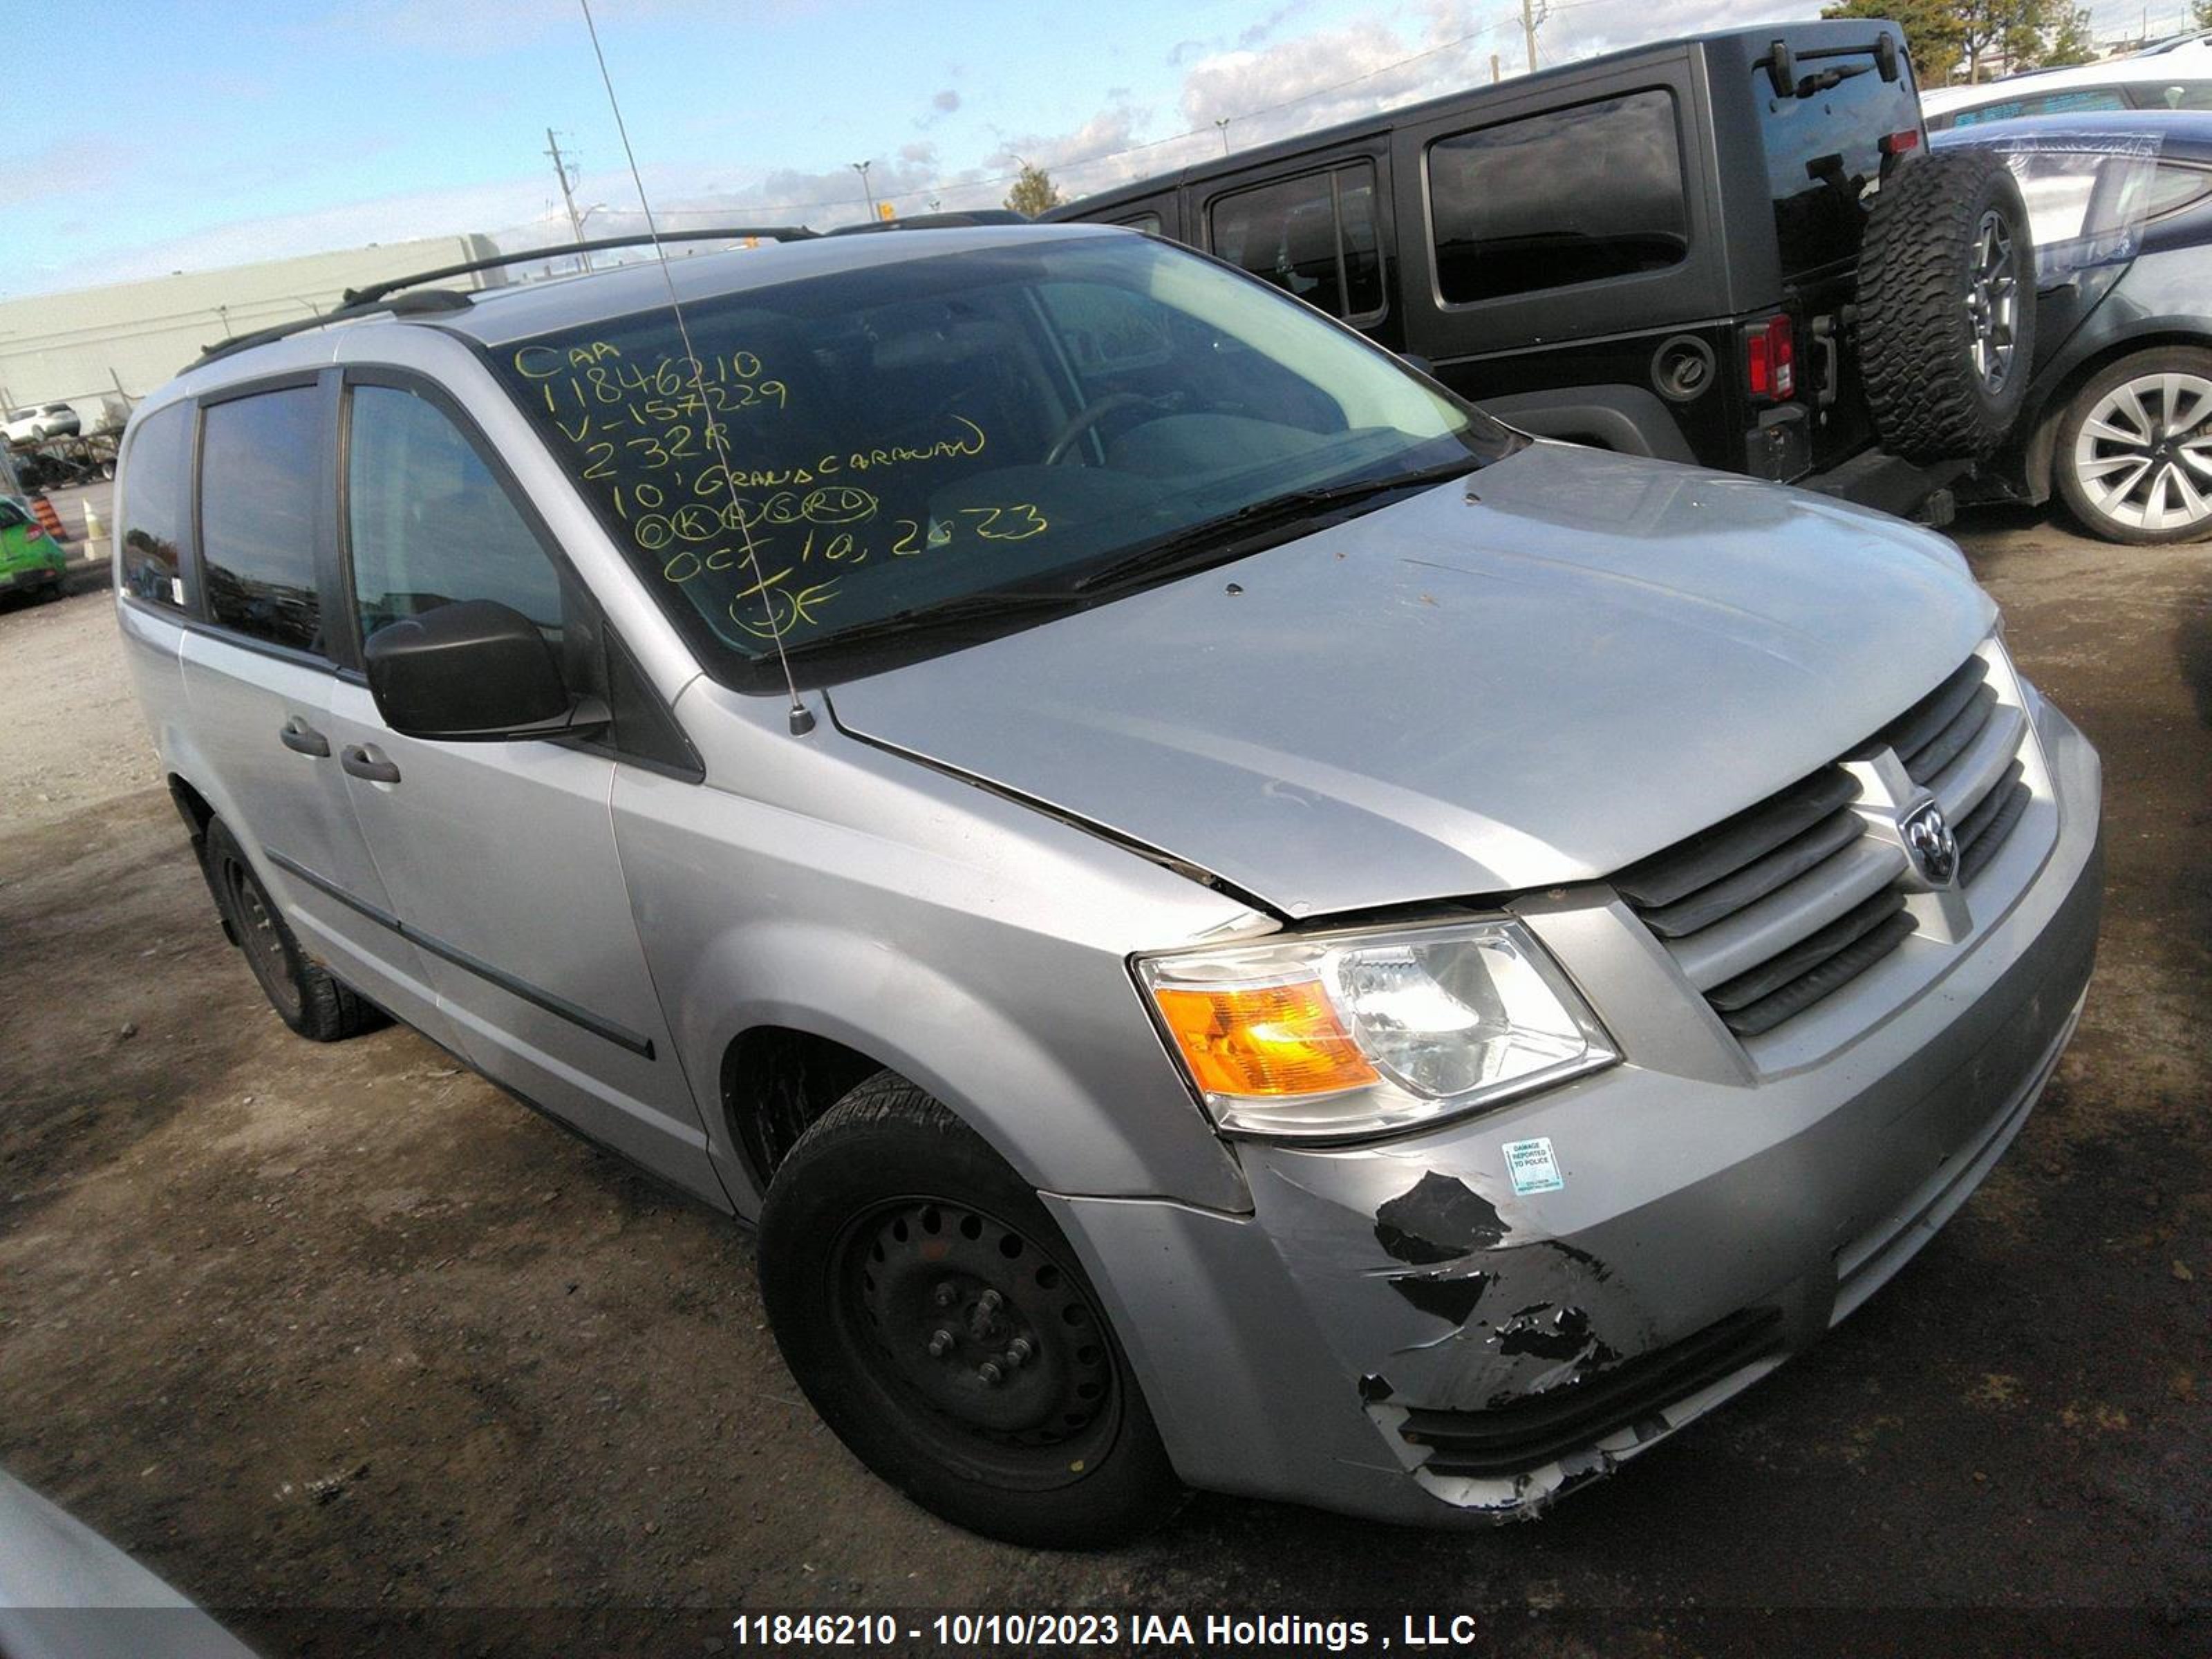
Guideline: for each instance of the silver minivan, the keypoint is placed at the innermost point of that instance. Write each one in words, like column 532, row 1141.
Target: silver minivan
column 1234, row 922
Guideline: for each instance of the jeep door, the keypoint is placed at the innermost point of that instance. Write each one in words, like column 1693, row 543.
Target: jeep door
column 499, row 856
column 258, row 669
column 1314, row 225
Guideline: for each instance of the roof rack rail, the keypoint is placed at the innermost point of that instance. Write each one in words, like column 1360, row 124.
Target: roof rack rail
column 390, row 299
column 722, row 234
column 935, row 222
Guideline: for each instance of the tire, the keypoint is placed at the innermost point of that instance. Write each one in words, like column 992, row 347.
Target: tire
column 2154, row 408
column 304, row 994
column 885, row 1235
column 1946, row 307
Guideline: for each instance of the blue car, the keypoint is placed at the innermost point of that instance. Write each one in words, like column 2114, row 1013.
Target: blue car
column 2118, row 415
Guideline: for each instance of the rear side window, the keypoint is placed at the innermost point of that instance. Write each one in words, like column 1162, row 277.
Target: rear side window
column 429, row 524
column 260, row 458
column 2063, row 102
column 1312, row 236
column 1570, row 196
column 1823, row 153
column 157, row 485
column 11, row 516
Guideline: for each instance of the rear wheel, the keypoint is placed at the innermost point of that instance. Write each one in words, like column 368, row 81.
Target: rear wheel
column 305, row 994
column 2134, row 452
column 934, row 1316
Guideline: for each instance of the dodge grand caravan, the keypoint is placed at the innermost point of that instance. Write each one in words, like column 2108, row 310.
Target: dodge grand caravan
column 1234, row 922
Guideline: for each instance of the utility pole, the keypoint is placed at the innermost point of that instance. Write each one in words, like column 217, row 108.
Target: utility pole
column 563, row 171
column 1532, row 13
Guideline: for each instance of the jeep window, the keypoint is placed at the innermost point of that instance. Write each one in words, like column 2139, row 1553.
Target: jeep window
column 1147, row 222
column 259, row 466
column 156, row 484
column 1313, row 237
column 11, row 516
column 1576, row 195
column 1824, row 154
column 913, row 443
column 427, row 523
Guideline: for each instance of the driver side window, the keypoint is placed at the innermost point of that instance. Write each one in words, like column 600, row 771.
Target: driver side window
column 430, row 524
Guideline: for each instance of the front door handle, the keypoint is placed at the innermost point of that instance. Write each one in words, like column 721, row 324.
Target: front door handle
column 362, row 763
column 302, row 739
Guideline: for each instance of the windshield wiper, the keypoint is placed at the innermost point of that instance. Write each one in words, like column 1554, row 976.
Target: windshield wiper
column 974, row 607
column 1204, row 543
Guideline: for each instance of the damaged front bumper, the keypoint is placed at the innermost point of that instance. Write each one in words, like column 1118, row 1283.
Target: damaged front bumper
column 1395, row 1332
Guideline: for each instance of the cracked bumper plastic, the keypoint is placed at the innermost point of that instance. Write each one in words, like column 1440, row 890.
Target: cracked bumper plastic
column 1284, row 1352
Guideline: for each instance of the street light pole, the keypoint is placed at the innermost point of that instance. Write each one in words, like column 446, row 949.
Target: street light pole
column 861, row 167
column 1222, row 122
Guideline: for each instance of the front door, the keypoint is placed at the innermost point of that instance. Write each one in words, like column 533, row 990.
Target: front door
column 500, row 857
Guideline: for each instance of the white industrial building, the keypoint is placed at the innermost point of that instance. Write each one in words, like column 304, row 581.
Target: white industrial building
column 112, row 345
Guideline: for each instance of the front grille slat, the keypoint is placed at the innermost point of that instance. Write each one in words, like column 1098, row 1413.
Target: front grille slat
column 1722, row 898
column 1786, row 902
column 1929, row 763
column 1920, row 724
column 1526, row 1434
column 1705, row 858
column 1961, row 785
column 1764, row 930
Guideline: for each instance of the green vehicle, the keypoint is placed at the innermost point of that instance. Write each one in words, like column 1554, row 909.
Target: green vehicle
column 31, row 561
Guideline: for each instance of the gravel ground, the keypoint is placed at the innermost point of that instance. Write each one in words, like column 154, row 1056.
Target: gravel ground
column 350, row 1347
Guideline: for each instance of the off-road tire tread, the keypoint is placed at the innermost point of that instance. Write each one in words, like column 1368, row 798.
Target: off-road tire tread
column 1920, row 384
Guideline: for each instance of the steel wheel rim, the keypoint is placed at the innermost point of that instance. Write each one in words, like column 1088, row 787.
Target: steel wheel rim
column 911, row 1273
column 263, row 949
column 2144, row 455
column 1993, row 302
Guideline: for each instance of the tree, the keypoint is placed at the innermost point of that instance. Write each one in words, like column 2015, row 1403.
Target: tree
column 2203, row 13
column 1033, row 191
column 1945, row 33
column 2071, row 42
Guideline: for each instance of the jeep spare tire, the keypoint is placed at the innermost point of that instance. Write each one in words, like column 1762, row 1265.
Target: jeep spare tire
column 1947, row 306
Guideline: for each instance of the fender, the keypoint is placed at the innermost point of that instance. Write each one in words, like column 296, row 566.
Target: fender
column 1093, row 1127
column 1626, row 419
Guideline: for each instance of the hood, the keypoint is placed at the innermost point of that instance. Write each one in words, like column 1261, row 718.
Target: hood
column 1533, row 676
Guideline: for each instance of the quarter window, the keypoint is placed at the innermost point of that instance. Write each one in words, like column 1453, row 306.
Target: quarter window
column 156, row 476
column 259, row 463
column 1570, row 196
column 1312, row 236
column 428, row 522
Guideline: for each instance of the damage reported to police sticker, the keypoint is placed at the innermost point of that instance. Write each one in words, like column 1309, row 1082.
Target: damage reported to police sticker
column 1532, row 1167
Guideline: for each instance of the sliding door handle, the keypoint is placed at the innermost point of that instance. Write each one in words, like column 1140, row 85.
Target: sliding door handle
column 302, row 739
column 368, row 764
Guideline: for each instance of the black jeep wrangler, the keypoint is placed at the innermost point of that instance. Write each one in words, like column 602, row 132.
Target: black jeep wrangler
column 1734, row 250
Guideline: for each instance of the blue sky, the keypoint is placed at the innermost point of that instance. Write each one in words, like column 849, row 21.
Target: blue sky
column 190, row 135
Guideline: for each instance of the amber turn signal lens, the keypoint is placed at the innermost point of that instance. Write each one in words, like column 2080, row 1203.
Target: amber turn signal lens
column 1263, row 1040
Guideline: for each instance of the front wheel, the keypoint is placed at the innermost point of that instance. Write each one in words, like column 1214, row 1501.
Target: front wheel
column 933, row 1313
column 306, row 995
column 2134, row 452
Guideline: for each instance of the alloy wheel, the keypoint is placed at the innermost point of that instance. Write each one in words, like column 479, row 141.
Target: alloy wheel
column 1993, row 302
column 2144, row 455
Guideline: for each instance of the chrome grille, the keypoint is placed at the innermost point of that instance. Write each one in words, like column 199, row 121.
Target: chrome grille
column 1778, row 907
column 1770, row 910
column 1961, row 743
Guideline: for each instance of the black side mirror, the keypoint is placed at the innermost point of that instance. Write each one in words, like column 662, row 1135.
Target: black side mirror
column 472, row 671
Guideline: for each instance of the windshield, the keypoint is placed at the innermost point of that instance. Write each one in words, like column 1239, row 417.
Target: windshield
column 930, row 440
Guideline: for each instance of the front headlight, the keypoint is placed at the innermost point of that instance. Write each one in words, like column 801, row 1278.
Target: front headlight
column 1355, row 1034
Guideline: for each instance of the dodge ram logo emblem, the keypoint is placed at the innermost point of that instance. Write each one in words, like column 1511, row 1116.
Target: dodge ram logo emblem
column 1930, row 845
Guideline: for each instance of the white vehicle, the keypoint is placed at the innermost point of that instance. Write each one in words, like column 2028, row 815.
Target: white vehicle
column 36, row 421
column 2175, row 74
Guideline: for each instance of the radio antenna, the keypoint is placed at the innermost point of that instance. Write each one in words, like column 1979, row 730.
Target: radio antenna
column 802, row 718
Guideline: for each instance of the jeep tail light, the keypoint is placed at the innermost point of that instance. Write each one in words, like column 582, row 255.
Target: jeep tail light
column 34, row 531
column 1898, row 144
column 1770, row 359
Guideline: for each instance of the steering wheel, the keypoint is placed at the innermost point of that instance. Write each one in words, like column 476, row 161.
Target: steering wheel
column 1088, row 417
